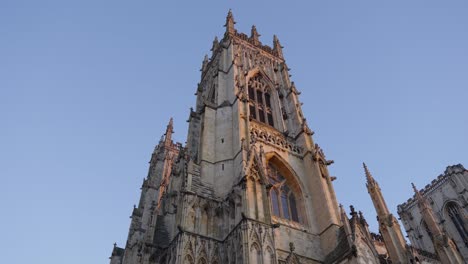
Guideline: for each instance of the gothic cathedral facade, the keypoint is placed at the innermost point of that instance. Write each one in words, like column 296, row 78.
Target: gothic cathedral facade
column 250, row 185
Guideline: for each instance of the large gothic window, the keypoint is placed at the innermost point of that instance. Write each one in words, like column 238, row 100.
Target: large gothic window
column 260, row 101
column 283, row 199
column 456, row 217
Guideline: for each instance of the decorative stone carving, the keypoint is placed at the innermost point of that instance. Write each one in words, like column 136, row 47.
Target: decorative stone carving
column 320, row 156
column 272, row 137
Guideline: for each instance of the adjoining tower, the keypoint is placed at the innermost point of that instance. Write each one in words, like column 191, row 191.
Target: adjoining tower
column 388, row 224
column 443, row 245
column 144, row 233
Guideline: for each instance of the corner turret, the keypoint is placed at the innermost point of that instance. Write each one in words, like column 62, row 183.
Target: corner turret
column 230, row 23
column 254, row 36
column 277, row 48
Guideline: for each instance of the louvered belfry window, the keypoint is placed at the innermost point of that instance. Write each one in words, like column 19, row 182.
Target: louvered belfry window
column 260, row 100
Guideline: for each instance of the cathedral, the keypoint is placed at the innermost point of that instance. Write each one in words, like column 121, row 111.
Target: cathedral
column 250, row 185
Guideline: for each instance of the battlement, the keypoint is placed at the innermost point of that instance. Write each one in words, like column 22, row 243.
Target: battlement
column 436, row 183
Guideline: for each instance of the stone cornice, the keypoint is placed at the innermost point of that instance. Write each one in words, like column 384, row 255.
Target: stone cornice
column 273, row 137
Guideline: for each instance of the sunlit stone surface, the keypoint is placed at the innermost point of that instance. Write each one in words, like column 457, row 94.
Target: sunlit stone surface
column 250, row 185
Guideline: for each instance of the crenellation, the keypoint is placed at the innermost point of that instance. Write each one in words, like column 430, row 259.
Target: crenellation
column 440, row 197
column 437, row 184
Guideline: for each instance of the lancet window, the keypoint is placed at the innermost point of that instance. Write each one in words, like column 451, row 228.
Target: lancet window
column 283, row 198
column 456, row 217
column 260, row 100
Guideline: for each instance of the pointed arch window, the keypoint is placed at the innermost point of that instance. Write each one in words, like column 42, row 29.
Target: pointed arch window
column 283, row 199
column 260, row 100
column 453, row 211
column 255, row 253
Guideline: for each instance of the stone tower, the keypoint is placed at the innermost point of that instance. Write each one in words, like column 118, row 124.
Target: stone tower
column 388, row 225
column 144, row 233
column 443, row 245
column 448, row 199
column 250, row 186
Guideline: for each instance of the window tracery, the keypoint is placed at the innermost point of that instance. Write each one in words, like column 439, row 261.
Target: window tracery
column 283, row 199
column 260, row 100
column 457, row 219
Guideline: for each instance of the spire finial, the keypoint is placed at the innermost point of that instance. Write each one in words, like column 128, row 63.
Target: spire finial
column 416, row 191
column 275, row 39
column 254, row 35
column 277, row 48
column 418, row 194
column 171, row 122
column 353, row 211
column 204, row 64
column 369, row 177
column 215, row 44
column 363, row 220
column 230, row 23
column 342, row 210
column 169, row 131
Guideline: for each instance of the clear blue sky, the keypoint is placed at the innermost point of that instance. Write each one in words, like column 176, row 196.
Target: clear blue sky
column 87, row 88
